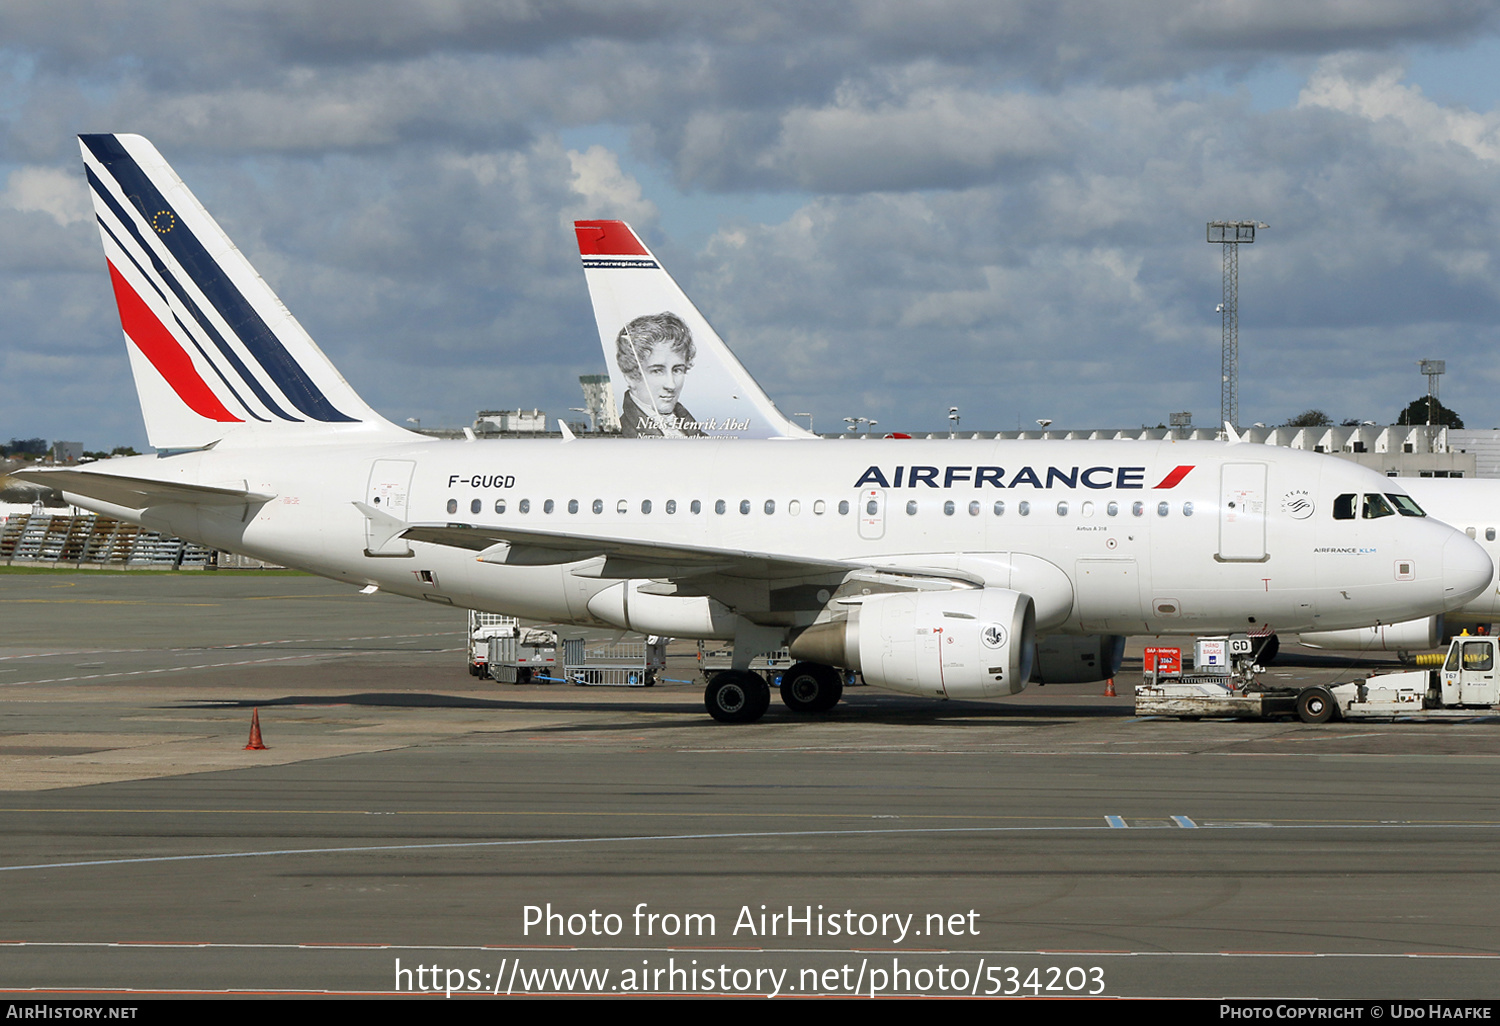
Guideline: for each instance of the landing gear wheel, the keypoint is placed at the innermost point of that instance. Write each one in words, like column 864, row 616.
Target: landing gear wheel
column 737, row 696
column 1316, row 705
column 811, row 687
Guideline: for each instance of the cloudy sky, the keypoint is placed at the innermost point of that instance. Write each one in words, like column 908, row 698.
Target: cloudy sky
column 888, row 208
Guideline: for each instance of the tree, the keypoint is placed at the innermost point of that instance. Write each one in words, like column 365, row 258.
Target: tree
column 1416, row 413
column 1311, row 418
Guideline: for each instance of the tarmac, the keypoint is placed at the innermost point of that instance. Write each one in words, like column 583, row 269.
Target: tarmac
column 410, row 828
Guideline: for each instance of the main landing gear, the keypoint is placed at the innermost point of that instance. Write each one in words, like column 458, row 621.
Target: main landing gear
column 811, row 687
column 742, row 696
column 737, row 696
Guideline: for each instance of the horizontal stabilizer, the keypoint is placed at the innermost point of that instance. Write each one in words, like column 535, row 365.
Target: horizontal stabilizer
column 139, row 492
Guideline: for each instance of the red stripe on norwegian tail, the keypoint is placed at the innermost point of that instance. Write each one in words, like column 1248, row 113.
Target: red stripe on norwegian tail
column 168, row 357
column 607, row 238
column 1173, row 479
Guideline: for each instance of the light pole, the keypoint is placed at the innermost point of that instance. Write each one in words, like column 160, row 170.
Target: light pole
column 953, row 416
column 1231, row 234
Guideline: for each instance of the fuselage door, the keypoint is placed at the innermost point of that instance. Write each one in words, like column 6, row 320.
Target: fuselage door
column 1242, row 513
column 872, row 514
column 389, row 496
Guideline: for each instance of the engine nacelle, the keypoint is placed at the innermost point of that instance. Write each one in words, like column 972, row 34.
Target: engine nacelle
column 966, row 643
column 1407, row 636
column 1061, row 659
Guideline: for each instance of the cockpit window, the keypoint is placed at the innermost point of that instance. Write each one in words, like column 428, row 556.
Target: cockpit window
column 1376, row 507
column 1343, row 506
column 1405, row 505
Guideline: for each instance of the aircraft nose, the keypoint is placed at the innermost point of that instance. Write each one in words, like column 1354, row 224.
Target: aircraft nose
column 1467, row 571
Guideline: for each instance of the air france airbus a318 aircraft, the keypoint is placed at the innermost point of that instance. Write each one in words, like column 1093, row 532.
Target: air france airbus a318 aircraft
column 930, row 568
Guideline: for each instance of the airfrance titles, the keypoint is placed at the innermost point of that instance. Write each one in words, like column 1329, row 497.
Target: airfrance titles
column 1032, row 477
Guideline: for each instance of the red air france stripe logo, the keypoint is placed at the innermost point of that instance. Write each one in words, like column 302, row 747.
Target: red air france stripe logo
column 1173, row 479
column 168, row 357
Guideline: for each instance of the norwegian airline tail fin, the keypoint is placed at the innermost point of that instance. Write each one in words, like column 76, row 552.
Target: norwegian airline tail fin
column 215, row 354
column 664, row 358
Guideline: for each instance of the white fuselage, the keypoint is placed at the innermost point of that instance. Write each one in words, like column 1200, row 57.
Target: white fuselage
column 1183, row 561
column 1471, row 506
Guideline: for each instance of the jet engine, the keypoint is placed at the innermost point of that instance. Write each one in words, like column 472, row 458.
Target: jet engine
column 1406, row 636
column 964, row 643
column 1061, row 659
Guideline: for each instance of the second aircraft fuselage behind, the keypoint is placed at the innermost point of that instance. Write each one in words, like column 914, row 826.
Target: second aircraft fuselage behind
column 1133, row 537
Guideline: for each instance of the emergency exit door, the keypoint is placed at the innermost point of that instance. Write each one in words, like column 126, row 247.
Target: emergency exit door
column 388, row 496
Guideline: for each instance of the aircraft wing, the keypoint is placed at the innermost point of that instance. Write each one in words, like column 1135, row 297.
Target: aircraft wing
column 632, row 558
column 138, row 492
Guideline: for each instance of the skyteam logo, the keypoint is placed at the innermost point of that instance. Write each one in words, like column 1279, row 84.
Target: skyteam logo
column 1028, row 477
column 1297, row 504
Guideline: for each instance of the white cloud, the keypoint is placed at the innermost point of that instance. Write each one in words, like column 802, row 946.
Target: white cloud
column 605, row 191
column 59, row 194
column 1383, row 98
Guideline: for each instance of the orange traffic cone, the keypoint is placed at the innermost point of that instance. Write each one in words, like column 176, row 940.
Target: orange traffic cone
column 256, row 744
column 1109, row 688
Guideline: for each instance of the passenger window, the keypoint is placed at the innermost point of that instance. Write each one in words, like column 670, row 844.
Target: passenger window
column 453, row 506
column 1376, row 507
column 1062, row 509
column 1087, row 509
column 620, row 506
column 973, row 509
column 1343, row 506
column 645, row 505
column 598, row 506
column 524, row 506
column 475, row 507
column 1489, row 534
column 671, row 506
column 695, row 507
column 720, row 506
column 794, row 507
column 1162, row 508
column 948, row 508
column 1024, row 509
column 548, row 506
column 872, row 507
column 911, row 508
column 499, row 506
column 770, row 506
column 1137, row 508
column 1187, row 509
column 572, row 506
column 745, row 507
column 1471, row 532
column 999, row 509
column 843, row 507
column 819, row 507
column 1113, row 509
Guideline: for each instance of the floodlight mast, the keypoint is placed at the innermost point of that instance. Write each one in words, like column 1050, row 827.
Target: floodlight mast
column 1230, row 234
column 1434, row 369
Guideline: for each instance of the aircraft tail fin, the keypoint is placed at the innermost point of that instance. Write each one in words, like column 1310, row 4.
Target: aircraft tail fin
column 664, row 358
column 215, row 353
